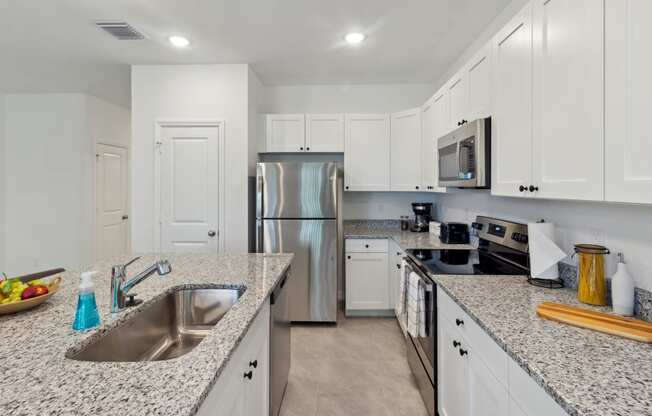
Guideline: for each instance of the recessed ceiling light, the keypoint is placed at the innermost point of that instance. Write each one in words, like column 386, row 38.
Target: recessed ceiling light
column 354, row 38
column 179, row 41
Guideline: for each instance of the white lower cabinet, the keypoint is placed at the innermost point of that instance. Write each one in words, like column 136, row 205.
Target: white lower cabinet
column 453, row 373
column 243, row 387
column 476, row 377
column 367, row 279
column 394, row 272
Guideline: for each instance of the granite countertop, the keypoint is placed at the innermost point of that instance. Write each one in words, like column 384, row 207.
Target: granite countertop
column 391, row 229
column 37, row 379
column 586, row 372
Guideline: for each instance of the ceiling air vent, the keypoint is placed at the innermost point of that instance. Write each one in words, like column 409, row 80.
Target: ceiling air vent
column 121, row 30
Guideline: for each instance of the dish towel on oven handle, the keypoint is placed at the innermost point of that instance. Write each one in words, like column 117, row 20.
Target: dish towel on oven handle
column 402, row 292
column 415, row 306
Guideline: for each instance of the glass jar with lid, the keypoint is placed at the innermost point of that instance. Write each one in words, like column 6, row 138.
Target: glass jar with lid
column 591, row 285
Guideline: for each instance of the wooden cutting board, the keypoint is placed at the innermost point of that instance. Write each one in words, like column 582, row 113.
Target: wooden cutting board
column 611, row 324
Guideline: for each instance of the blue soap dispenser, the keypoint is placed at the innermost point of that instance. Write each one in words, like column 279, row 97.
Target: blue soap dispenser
column 87, row 316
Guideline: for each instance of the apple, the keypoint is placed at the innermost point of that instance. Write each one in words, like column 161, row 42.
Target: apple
column 33, row 291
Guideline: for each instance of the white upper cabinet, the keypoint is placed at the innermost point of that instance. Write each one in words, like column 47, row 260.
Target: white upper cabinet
column 285, row 132
column 458, row 100
column 432, row 117
column 325, row 133
column 628, row 102
column 478, row 84
column 568, row 99
column 406, row 150
column 512, row 106
column 366, row 152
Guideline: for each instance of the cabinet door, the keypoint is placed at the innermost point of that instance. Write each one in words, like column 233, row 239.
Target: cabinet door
column 366, row 155
column 325, row 133
column 485, row 392
column 458, row 96
column 453, row 372
column 431, row 116
column 366, row 281
column 628, row 95
column 285, row 132
column 568, row 38
column 257, row 388
column 394, row 272
column 512, row 106
column 405, row 153
column 478, row 84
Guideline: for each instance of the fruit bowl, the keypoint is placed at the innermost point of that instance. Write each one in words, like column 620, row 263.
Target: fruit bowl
column 23, row 305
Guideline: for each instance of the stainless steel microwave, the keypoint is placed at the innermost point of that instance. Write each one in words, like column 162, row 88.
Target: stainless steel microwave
column 465, row 156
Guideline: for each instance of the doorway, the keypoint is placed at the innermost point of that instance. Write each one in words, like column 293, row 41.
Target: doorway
column 189, row 177
column 111, row 198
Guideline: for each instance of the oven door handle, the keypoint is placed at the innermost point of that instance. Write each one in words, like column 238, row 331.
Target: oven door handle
column 427, row 303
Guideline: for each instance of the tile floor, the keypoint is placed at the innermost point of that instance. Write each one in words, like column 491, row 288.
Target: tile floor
column 356, row 368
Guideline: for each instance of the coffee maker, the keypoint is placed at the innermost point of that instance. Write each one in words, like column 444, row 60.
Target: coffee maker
column 422, row 216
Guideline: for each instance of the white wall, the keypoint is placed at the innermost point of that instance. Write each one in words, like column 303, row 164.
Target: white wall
column 620, row 227
column 381, row 205
column 3, row 178
column 345, row 98
column 186, row 92
column 255, row 102
column 48, row 156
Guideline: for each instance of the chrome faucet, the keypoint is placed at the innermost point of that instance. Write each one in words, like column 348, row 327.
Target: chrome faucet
column 120, row 286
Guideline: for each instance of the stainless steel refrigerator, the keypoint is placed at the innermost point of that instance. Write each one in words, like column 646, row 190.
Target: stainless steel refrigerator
column 298, row 211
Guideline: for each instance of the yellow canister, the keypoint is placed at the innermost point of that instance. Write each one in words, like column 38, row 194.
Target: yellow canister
column 591, row 285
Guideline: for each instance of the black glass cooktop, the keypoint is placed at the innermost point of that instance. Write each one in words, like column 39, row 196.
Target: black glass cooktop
column 463, row 262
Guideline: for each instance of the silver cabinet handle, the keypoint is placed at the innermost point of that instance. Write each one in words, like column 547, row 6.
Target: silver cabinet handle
column 211, row 233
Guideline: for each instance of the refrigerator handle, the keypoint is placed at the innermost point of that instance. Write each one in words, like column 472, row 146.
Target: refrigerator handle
column 259, row 192
column 259, row 236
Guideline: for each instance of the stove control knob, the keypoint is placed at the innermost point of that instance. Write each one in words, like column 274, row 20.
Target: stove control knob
column 516, row 236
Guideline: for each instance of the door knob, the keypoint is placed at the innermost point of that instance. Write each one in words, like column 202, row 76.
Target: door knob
column 212, row 233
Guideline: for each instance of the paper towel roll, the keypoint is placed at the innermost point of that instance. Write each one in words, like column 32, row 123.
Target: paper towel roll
column 544, row 253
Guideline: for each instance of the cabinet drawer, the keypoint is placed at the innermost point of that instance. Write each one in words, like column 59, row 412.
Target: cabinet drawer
column 369, row 245
column 529, row 396
column 492, row 355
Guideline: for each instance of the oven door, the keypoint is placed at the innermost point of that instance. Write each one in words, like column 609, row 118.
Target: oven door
column 421, row 350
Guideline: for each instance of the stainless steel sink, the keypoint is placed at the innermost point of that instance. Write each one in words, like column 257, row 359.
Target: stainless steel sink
column 168, row 328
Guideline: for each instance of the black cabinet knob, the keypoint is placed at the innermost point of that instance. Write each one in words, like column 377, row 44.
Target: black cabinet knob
column 398, row 266
column 459, row 322
column 416, row 187
column 346, row 187
column 253, row 363
column 533, row 188
column 456, row 344
column 459, row 123
column 366, row 246
column 522, row 188
column 249, row 375
column 307, row 148
column 464, row 121
column 348, row 257
column 463, row 352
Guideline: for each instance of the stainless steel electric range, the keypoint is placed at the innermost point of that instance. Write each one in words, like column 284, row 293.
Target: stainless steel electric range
column 502, row 250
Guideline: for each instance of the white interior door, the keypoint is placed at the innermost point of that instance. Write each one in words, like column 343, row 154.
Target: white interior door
column 189, row 188
column 111, row 201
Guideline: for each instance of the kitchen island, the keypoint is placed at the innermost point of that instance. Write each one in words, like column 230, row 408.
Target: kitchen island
column 38, row 379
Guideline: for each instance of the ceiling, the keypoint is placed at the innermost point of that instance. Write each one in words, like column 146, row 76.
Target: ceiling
column 49, row 46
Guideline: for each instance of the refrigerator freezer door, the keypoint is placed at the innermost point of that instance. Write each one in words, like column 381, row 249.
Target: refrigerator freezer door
column 296, row 190
column 313, row 285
